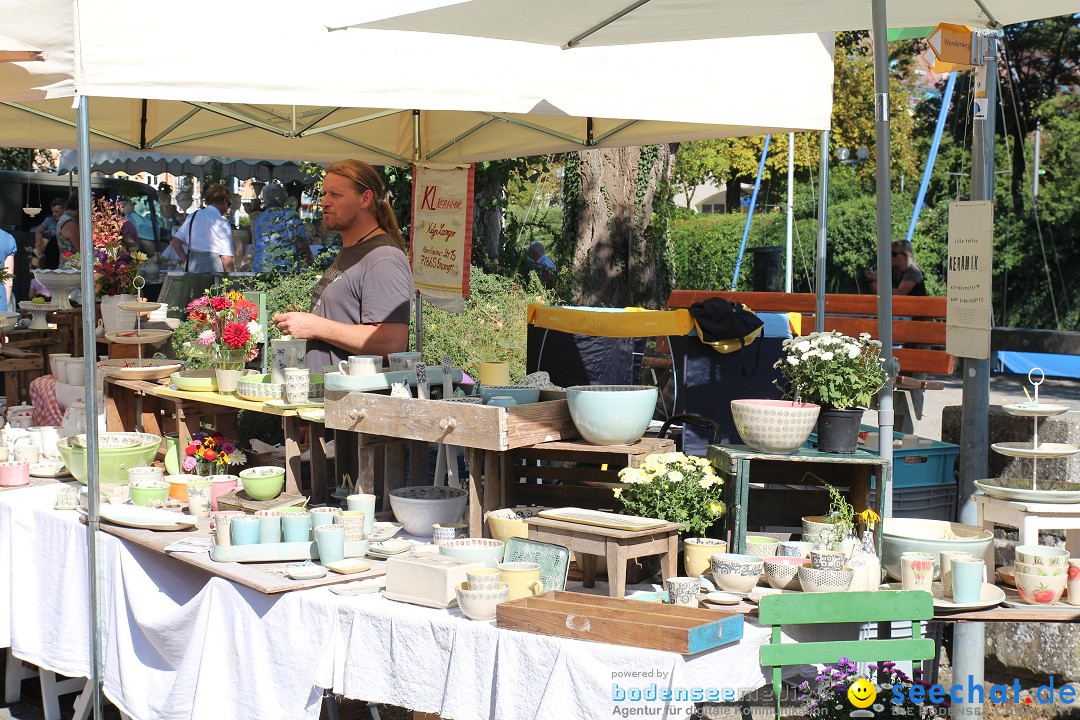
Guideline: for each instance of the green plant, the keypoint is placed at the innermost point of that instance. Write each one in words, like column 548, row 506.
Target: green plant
column 840, row 512
column 832, row 369
column 828, row 697
column 673, row 487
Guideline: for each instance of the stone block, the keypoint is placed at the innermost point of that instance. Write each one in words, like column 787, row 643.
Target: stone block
column 1034, row 650
column 1003, row 427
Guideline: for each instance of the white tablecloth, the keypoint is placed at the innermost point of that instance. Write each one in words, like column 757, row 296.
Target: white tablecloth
column 180, row 643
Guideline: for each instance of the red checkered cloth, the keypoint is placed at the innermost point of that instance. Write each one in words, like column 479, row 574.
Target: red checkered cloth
column 43, row 397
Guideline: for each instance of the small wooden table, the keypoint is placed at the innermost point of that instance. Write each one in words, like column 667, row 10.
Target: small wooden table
column 1028, row 518
column 617, row 546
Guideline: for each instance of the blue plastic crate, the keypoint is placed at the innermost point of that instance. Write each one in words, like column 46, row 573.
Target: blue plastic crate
column 932, row 464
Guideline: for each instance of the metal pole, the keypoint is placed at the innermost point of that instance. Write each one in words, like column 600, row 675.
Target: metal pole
column 969, row 639
column 788, row 274
column 822, row 222
column 82, row 129
column 884, row 237
column 418, row 311
column 750, row 213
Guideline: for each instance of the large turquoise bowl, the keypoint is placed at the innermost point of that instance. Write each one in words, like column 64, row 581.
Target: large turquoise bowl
column 900, row 535
column 117, row 451
column 611, row 414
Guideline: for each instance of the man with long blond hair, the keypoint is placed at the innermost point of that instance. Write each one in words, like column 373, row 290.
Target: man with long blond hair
column 361, row 304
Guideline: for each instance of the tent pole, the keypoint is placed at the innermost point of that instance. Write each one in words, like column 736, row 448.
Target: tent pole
column 822, row 223
column 82, row 126
column 884, row 240
column 750, row 214
column 788, row 275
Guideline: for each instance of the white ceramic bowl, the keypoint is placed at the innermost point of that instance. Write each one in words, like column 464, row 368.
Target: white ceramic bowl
column 899, row 535
column 1041, row 589
column 486, row 550
column 814, row 581
column 480, row 604
column 774, row 426
column 735, row 573
column 782, row 572
column 418, row 508
column 761, row 546
column 1042, row 556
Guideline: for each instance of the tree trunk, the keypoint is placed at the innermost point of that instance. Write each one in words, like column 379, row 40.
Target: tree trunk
column 733, row 194
column 619, row 253
column 487, row 223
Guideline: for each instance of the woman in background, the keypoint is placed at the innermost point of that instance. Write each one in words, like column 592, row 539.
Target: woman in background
column 907, row 276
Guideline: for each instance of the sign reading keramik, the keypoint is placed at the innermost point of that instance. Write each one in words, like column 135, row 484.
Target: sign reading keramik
column 970, row 266
column 441, row 232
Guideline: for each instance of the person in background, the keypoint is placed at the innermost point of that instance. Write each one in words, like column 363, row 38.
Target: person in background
column 361, row 304
column 46, row 234
column 544, row 266
column 68, row 236
column 206, row 235
column 129, row 235
column 278, row 233
column 907, row 276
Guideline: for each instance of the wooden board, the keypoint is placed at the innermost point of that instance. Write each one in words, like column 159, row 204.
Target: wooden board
column 672, row 628
column 473, row 426
column 256, row 576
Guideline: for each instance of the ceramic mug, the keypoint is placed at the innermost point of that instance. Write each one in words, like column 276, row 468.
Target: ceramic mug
column 297, row 385
column 221, row 485
column 360, row 365
column 698, row 552
column 403, row 360
column 484, row 578
column 322, row 516
column 331, row 542
column 27, row 453
column 46, row 436
column 199, row 498
column 222, row 522
column 14, row 474
column 439, row 535
column 917, row 572
column 366, row 504
column 75, row 369
column 1073, row 583
column 55, row 365
column 827, row 559
column 353, row 522
column 296, row 526
column 270, row 526
column 683, row 590
column 522, row 577
column 245, row 529
column 947, row 559
column 967, row 579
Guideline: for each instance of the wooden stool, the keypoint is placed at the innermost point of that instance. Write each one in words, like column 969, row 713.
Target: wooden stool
column 1029, row 519
column 617, row 546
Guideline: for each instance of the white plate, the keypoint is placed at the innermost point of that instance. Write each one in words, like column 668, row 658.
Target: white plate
column 1033, row 410
column 1045, row 450
column 1022, row 491
column 1012, row 599
column 49, row 470
column 305, row 571
column 359, row 587
column 382, row 531
column 135, row 516
column 140, row 307
column 132, row 369
column 722, row 598
column 989, row 596
column 38, row 307
column 138, row 337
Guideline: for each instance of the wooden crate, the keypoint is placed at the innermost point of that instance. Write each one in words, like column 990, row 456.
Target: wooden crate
column 482, row 427
column 673, row 628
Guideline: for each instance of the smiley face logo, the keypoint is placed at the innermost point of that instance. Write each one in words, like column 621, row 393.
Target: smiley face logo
column 862, row 693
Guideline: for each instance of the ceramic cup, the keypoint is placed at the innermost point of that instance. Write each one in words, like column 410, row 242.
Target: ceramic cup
column 331, row 542
column 795, row 548
column 27, row 453
column 502, row 401
column 221, row 485
column 1073, row 583
column 683, row 590
column 366, row 504
column 484, row 578
column 296, row 526
column 967, row 579
column 404, row 361
column 322, row 516
column 14, row 474
column 947, row 558
column 199, row 498
column 75, row 370
column 353, row 521
column 917, row 571
column 46, row 436
column 297, row 385
column 269, row 526
column 439, row 535
column 522, row 577
column 55, row 365
column 147, row 473
column 697, row 553
column 361, row 365
column 245, row 529
column 494, row 373
column 827, row 559
column 222, row 522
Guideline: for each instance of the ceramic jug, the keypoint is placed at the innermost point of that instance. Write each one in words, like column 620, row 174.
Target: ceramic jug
column 21, row 416
column 286, row 353
column 74, row 421
column 864, row 561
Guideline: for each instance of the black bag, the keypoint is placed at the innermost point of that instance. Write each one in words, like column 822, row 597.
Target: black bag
column 724, row 325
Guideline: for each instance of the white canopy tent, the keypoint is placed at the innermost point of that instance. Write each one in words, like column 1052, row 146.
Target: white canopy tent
column 111, row 161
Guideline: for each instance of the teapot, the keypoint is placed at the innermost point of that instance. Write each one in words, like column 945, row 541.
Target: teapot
column 74, row 421
column 21, row 416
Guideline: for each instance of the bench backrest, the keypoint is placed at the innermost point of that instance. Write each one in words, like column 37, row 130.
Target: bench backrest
column 852, row 315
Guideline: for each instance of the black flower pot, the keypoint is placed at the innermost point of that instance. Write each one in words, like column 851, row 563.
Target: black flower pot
column 838, row 430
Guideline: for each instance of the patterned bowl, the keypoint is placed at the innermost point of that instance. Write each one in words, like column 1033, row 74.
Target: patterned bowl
column 521, row 395
column 117, row 451
column 510, row 522
column 264, row 482
column 782, row 572
column 419, row 507
column 824, row 580
column 611, row 414
column 1043, row 556
column 143, row 493
column 735, row 573
column 761, row 546
column 1040, row 589
column 486, row 550
column 480, row 604
column 774, row 426
column 259, row 387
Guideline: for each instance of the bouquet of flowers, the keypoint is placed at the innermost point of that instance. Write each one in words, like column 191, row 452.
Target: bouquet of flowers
column 828, row 698
column 211, row 454
column 115, row 267
column 832, row 369
column 226, row 324
column 673, row 487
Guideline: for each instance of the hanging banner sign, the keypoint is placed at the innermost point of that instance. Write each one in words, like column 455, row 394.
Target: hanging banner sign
column 970, row 266
column 441, row 232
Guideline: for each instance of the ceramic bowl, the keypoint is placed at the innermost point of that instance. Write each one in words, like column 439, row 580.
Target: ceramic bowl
column 418, row 508
column 901, row 535
column 813, row 580
column 782, row 572
column 1044, row 570
column 611, row 414
column 117, row 451
column 263, row 483
column 1040, row 589
column 144, row 492
column 774, row 426
column 177, row 486
column 480, row 604
column 14, row 473
column 818, row 532
column 1043, row 556
column 259, row 387
column 761, row 546
column 486, row 550
column 521, row 395
column 195, row 380
column 510, row 522
column 735, row 573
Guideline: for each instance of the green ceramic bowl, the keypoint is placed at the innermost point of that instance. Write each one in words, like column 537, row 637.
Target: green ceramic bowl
column 142, row 495
column 195, row 380
column 117, row 452
column 263, row 483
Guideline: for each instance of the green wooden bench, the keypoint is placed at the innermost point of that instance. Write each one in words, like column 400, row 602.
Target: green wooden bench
column 849, row 607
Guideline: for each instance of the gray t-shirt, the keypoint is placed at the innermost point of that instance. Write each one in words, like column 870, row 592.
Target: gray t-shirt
column 377, row 288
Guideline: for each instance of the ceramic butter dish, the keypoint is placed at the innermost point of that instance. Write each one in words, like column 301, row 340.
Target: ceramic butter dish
column 427, row 580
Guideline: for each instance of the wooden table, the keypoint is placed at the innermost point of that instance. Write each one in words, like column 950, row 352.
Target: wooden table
column 740, row 466
column 616, row 546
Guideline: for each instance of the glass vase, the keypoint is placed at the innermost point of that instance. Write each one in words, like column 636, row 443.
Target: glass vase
column 228, row 369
